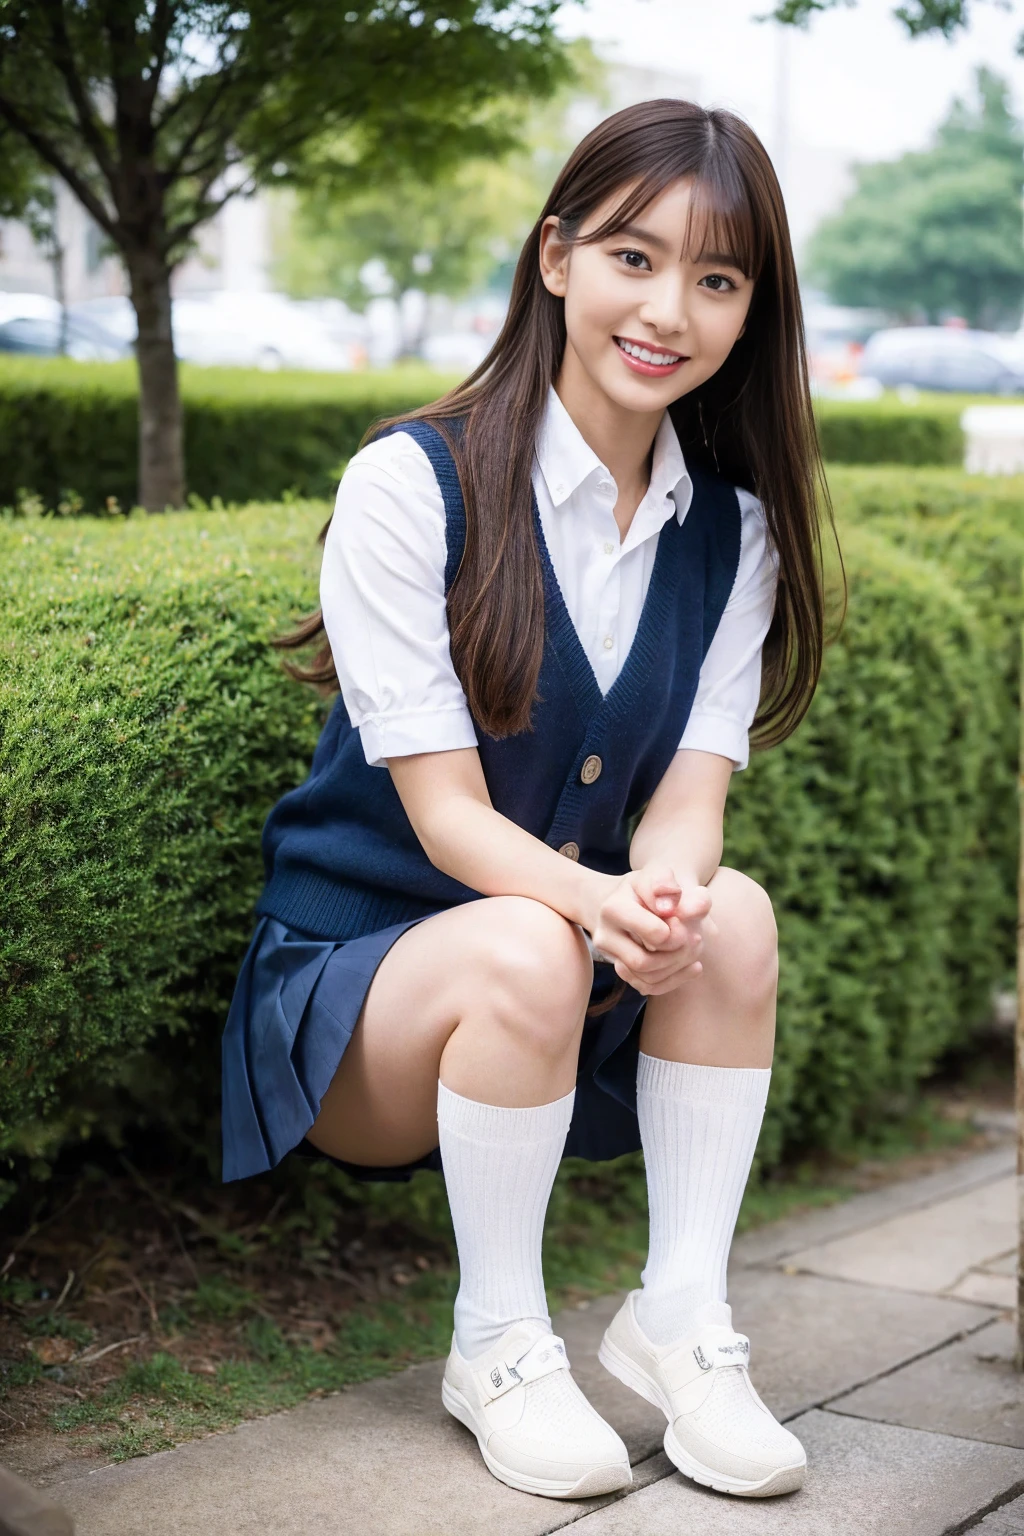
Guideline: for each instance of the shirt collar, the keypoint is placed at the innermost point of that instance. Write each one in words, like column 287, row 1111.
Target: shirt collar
column 566, row 461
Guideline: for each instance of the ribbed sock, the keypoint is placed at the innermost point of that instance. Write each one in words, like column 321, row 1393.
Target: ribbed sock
column 499, row 1166
column 699, row 1128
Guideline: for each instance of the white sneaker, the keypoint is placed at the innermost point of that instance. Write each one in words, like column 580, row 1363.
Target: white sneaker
column 719, row 1431
column 535, row 1429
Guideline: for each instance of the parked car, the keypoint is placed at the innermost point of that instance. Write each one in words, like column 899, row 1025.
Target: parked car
column 942, row 358
column 30, row 323
column 246, row 330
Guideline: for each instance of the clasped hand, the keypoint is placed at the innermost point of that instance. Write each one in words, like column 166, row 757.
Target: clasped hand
column 652, row 929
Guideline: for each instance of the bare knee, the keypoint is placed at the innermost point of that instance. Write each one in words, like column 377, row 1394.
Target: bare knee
column 537, row 972
column 746, row 949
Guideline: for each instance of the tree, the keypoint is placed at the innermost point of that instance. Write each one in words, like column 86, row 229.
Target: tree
column 444, row 237
column 920, row 17
column 936, row 232
column 156, row 112
column 440, row 238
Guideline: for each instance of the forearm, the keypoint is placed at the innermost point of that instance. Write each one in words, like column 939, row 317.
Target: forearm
column 689, row 841
column 475, row 844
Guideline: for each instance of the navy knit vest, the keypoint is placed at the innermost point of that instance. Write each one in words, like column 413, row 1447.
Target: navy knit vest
column 341, row 856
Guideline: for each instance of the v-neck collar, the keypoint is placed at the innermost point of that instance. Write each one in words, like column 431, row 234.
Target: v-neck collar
column 565, row 641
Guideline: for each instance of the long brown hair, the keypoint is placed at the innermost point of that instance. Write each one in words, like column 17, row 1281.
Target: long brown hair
column 751, row 422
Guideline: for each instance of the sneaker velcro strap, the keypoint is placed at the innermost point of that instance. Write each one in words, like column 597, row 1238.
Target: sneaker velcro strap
column 691, row 1361
column 544, row 1356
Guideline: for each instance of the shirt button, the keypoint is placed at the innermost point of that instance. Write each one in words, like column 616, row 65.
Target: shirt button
column 609, row 549
column 608, row 642
column 570, row 850
column 591, row 770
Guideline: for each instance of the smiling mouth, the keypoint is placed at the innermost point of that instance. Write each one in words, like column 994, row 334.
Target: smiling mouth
column 648, row 359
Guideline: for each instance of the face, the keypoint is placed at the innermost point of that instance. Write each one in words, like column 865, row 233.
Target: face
column 646, row 320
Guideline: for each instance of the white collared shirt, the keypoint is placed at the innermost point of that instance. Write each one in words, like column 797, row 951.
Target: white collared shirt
column 382, row 590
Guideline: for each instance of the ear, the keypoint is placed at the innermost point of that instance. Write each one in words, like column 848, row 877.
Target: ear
column 554, row 258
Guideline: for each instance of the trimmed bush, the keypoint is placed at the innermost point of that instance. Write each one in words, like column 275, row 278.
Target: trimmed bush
column 870, row 828
column 249, row 436
column 68, row 430
column 146, row 728
column 888, row 432
column 973, row 526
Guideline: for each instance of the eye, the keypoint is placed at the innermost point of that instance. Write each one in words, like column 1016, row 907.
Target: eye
column 634, row 259
column 718, row 282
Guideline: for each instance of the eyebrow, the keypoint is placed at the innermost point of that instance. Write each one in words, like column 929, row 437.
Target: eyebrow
column 644, row 234
column 705, row 259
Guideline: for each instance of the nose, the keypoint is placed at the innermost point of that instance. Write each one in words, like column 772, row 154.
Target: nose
column 664, row 306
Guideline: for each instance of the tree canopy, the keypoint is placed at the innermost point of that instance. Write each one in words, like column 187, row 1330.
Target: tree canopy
column 155, row 112
column 918, row 16
column 937, row 232
column 443, row 237
column 440, row 237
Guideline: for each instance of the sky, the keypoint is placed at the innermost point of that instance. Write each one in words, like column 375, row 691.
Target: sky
column 853, row 86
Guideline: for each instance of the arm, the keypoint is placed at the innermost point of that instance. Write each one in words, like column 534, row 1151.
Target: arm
column 682, row 825
column 445, row 797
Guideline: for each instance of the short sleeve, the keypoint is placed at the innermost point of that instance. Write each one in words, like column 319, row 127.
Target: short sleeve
column 383, row 599
column 730, row 679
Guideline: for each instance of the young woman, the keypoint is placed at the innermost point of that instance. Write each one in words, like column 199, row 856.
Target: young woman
column 496, row 927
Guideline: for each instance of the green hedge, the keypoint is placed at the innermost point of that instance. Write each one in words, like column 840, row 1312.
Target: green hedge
column 146, row 728
column 249, row 436
column 973, row 526
column 887, row 431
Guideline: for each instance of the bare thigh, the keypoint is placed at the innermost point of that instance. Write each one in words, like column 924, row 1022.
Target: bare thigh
column 490, row 996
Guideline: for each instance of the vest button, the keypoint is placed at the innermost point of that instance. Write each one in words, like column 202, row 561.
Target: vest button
column 591, row 770
column 570, row 850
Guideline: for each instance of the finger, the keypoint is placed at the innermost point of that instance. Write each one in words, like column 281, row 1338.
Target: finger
column 625, row 951
column 658, row 888
column 694, row 903
column 633, row 918
column 653, row 968
column 648, row 986
column 680, row 935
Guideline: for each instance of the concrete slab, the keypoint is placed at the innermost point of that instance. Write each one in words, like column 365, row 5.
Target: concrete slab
column 1006, row 1264
column 970, row 1389
column 24, row 1511
column 991, row 1290
column 1006, row 1521
column 770, row 1244
column 864, row 1480
column 807, row 1332
column 378, row 1459
column 927, row 1250
column 356, row 1462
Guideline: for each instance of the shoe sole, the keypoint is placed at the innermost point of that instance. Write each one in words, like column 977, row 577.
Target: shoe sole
column 782, row 1480
column 609, row 1479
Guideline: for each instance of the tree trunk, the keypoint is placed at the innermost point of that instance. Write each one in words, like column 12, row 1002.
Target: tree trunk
column 161, row 436
column 57, row 266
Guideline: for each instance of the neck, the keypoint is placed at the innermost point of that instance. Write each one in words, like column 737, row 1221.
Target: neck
column 621, row 439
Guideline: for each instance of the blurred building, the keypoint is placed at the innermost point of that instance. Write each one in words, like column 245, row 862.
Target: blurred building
column 233, row 252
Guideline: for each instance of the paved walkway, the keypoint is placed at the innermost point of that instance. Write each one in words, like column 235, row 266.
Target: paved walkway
column 881, row 1334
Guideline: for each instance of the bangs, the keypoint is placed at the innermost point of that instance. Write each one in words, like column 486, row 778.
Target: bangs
column 720, row 220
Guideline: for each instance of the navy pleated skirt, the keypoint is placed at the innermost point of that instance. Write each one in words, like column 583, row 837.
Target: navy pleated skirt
column 295, row 1006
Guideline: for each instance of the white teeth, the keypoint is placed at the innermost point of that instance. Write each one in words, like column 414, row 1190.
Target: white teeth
column 645, row 355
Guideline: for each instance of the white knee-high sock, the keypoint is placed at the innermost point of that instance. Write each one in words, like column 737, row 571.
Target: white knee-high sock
column 699, row 1128
column 499, row 1166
